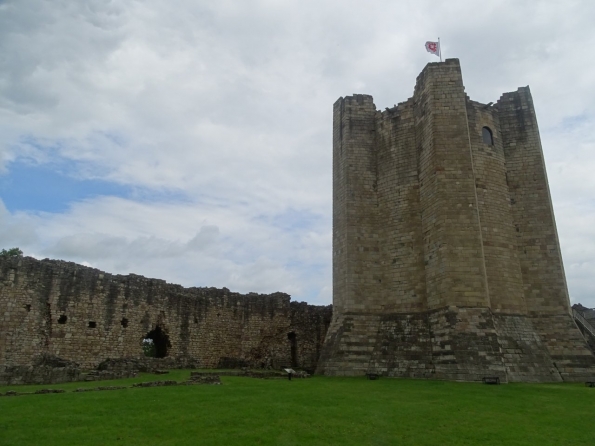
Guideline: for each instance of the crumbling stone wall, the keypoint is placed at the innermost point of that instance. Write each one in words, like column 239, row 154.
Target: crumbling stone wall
column 306, row 334
column 44, row 369
column 84, row 315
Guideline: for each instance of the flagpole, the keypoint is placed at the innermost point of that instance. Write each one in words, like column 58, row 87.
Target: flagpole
column 440, row 49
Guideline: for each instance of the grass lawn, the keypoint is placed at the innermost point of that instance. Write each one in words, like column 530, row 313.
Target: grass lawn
column 315, row 411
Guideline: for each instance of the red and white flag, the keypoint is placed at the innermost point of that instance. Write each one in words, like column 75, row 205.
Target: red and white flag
column 433, row 47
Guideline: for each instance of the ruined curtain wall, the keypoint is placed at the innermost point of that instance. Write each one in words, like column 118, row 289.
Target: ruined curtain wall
column 84, row 315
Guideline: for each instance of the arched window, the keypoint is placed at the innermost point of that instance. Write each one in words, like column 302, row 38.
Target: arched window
column 486, row 135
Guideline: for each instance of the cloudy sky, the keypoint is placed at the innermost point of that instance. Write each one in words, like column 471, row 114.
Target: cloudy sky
column 191, row 140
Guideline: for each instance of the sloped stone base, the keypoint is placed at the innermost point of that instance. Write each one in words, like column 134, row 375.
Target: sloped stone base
column 567, row 347
column 455, row 343
column 465, row 344
column 524, row 354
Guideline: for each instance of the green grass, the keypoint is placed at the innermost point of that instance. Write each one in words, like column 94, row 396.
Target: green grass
column 315, row 411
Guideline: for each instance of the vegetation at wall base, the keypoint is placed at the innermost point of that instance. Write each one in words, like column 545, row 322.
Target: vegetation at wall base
column 314, row 411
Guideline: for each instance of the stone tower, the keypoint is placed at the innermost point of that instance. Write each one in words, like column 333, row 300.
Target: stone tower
column 446, row 260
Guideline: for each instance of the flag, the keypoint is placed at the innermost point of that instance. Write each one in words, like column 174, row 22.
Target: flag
column 433, row 47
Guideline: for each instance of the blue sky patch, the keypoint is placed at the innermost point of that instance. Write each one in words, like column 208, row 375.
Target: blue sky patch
column 53, row 187
column 292, row 219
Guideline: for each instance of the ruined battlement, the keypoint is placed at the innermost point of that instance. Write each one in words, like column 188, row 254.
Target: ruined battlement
column 85, row 315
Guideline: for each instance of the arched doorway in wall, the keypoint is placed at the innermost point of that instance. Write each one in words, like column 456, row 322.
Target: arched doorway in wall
column 156, row 343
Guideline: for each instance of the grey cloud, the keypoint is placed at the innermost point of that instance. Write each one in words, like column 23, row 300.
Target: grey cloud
column 86, row 246
column 161, row 240
column 91, row 247
column 15, row 230
column 205, row 237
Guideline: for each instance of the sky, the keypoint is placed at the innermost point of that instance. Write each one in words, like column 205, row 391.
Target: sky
column 191, row 141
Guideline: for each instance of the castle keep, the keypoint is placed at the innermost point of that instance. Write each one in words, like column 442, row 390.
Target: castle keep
column 446, row 260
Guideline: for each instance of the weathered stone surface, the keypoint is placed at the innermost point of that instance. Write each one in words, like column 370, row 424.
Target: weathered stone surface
column 261, row 374
column 45, row 369
column 46, row 391
column 130, row 367
column 196, row 378
column 588, row 314
column 446, row 260
column 156, row 384
column 87, row 316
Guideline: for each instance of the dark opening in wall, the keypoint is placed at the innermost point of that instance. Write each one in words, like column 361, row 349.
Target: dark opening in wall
column 28, row 307
column 156, row 343
column 486, row 135
column 92, row 324
column 293, row 341
column 124, row 322
column 62, row 319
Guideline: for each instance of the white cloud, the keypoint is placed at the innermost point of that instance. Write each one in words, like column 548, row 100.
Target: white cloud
column 16, row 230
column 194, row 244
column 228, row 104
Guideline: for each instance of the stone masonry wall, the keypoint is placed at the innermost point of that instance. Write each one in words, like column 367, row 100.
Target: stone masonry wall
column 356, row 248
column 446, row 260
column 84, row 315
column 403, row 281
column 531, row 207
column 589, row 315
column 454, row 343
column 503, row 270
column 452, row 246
